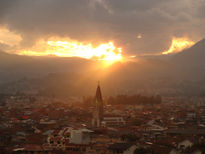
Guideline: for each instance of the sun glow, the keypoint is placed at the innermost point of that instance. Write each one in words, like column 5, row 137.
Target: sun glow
column 178, row 44
column 106, row 52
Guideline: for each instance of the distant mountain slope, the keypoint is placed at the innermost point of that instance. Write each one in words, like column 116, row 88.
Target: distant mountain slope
column 194, row 56
column 190, row 63
column 182, row 74
column 13, row 67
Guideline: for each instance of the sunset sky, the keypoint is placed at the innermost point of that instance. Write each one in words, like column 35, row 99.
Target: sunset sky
column 124, row 27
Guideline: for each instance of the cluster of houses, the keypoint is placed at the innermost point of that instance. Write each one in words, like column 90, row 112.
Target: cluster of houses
column 48, row 126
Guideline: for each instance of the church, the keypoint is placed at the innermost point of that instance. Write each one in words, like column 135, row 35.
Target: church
column 101, row 119
column 98, row 108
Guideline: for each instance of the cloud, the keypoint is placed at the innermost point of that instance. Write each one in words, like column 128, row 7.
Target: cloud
column 121, row 21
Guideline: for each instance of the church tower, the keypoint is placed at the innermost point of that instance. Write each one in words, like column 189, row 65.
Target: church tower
column 98, row 108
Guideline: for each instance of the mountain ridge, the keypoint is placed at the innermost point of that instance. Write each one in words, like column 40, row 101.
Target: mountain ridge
column 181, row 74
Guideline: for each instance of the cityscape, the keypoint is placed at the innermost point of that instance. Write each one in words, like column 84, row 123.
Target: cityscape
column 34, row 124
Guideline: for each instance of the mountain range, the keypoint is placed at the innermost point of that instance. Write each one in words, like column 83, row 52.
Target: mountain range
column 180, row 74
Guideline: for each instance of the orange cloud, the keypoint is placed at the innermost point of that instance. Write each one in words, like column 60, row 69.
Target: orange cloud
column 9, row 38
column 65, row 47
column 178, row 44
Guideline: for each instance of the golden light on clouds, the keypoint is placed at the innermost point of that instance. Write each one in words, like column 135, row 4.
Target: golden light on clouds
column 178, row 44
column 9, row 38
column 107, row 52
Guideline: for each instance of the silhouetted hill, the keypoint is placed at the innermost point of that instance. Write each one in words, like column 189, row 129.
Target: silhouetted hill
column 182, row 74
column 13, row 67
column 193, row 56
column 191, row 62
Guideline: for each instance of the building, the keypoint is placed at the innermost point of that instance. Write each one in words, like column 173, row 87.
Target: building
column 113, row 121
column 98, row 108
column 81, row 136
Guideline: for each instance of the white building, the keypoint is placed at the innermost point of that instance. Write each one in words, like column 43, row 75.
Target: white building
column 81, row 136
column 113, row 121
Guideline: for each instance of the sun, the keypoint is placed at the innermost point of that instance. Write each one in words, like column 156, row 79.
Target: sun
column 106, row 52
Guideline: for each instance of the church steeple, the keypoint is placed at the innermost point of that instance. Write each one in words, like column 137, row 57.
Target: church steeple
column 98, row 95
column 98, row 108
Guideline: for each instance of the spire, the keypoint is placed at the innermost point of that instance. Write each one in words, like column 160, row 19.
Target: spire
column 98, row 95
column 98, row 111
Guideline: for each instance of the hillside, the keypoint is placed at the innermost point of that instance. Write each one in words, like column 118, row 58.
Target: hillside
column 182, row 74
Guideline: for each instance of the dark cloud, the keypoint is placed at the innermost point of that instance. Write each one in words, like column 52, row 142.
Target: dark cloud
column 103, row 20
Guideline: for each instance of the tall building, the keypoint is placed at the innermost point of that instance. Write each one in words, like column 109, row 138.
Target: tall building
column 98, row 108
